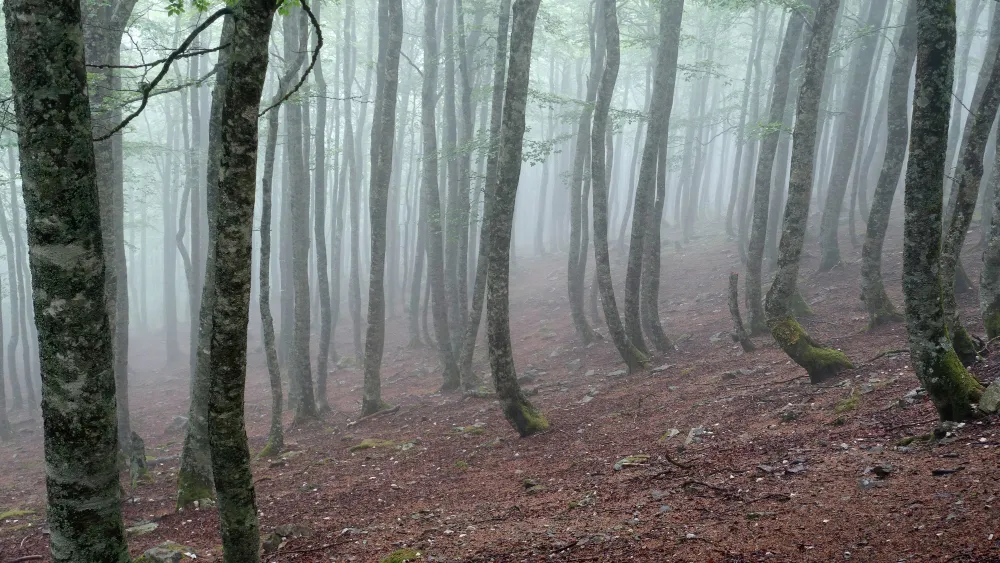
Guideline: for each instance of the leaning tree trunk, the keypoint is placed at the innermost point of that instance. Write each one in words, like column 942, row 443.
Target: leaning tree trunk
column 643, row 263
column 843, row 158
column 950, row 387
column 820, row 362
column 765, row 166
column 633, row 358
column 431, row 201
column 880, row 308
column 522, row 415
column 49, row 86
column 966, row 191
column 239, row 93
column 390, row 39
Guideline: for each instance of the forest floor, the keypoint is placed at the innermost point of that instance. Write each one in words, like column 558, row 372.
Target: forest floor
column 737, row 457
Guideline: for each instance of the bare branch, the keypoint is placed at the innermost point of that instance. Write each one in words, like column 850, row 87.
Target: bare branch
column 312, row 63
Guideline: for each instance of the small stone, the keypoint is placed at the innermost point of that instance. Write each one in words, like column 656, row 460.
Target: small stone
column 631, row 461
column 694, row 435
column 867, row 483
column 663, row 368
column 657, row 494
column 586, row 399
column 664, row 508
column 141, row 529
column 590, row 373
column 617, row 373
column 990, row 401
column 166, row 552
column 293, row 531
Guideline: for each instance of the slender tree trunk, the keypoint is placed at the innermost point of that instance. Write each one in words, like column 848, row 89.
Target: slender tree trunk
column 521, row 414
column 15, row 295
column 951, row 388
column 966, row 191
column 577, row 250
column 651, row 190
column 48, row 79
column 319, row 233
column 741, row 135
column 432, row 202
column 390, row 34
column 843, row 159
column 492, row 173
column 609, row 40
column 820, row 362
column 880, row 308
column 765, row 167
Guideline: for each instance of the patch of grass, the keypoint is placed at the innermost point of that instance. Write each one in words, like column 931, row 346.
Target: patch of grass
column 402, row 556
column 15, row 513
column 371, row 443
column 848, row 404
column 462, row 464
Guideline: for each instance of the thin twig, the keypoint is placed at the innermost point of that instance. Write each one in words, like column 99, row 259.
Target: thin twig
column 382, row 412
column 312, row 63
column 147, row 88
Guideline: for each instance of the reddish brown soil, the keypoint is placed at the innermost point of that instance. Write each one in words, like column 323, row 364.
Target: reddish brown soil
column 779, row 477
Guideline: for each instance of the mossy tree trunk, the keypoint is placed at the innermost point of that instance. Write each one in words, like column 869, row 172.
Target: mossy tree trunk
column 431, row 202
column 820, row 362
column 765, row 166
column 390, row 34
column 521, row 414
column 645, row 218
column 632, row 356
column 492, row 163
column 966, row 191
column 59, row 172
column 880, row 308
column 950, row 387
column 843, row 158
column 240, row 94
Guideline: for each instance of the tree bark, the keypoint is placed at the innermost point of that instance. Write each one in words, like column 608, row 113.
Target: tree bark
column 390, row 34
column 13, row 284
column 880, row 308
column 319, row 232
column 521, row 414
column 765, row 168
column 820, row 362
column 647, row 212
column 741, row 136
column 843, row 159
column 59, row 182
column 966, row 191
column 633, row 357
column 951, row 388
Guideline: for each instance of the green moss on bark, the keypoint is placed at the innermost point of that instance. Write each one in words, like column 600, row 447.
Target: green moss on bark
column 965, row 347
column 525, row 418
column 799, row 307
column 819, row 361
column 991, row 320
column 191, row 489
column 950, row 386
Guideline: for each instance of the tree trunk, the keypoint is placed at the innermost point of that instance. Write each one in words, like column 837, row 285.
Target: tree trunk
column 431, row 201
column 966, row 191
column 577, row 217
column 521, row 414
column 633, row 357
column 319, row 232
column 951, row 388
column 492, row 162
column 765, row 167
column 390, row 39
column 741, row 134
column 15, row 295
column 239, row 92
column 820, row 362
column 843, row 159
column 648, row 209
column 48, row 79
column 880, row 308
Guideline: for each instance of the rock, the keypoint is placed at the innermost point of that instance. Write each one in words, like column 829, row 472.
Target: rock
column 669, row 434
column 657, row 494
column 915, row 396
column 631, row 461
column 270, row 542
column 588, row 499
column 166, row 552
column 663, row 368
column 882, row 471
column 867, row 483
column 141, row 529
column 293, row 531
column 942, row 472
column 590, row 373
column 664, row 508
column 178, row 424
column 586, row 399
column 555, row 353
column 717, row 337
column 617, row 373
column 990, row 402
column 694, row 435
column 574, row 364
